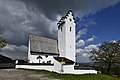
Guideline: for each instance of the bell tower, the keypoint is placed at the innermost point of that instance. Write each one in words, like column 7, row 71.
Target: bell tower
column 66, row 36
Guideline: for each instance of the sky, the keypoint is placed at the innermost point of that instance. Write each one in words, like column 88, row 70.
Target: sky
column 96, row 21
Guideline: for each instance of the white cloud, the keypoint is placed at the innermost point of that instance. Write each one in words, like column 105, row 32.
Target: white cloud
column 79, row 50
column 80, row 43
column 81, row 32
column 91, row 39
column 84, row 54
column 91, row 47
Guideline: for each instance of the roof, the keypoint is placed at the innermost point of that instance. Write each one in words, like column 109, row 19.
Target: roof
column 64, row 17
column 67, row 61
column 62, row 20
column 42, row 53
column 42, row 44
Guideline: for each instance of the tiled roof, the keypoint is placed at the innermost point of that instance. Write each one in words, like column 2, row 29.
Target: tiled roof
column 42, row 44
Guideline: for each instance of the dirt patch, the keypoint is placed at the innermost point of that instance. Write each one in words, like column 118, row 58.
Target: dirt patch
column 15, row 74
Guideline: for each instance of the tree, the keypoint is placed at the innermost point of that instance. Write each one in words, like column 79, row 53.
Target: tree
column 3, row 43
column 107, row 54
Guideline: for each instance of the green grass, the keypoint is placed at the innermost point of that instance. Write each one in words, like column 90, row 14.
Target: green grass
column 76, row 77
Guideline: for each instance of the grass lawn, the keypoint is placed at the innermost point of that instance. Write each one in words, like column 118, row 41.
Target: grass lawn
column 76, row 77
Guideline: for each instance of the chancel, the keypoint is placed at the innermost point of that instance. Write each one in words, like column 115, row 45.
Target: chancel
column 55, row 55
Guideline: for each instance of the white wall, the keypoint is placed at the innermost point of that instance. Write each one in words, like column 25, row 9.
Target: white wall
column 69, row 69
column 85, row 72
column 70, row 38
column 29, row 51
column 33, row 59
column 66, row 38
column 38, row 67
column 61, row 41
column 57, row 66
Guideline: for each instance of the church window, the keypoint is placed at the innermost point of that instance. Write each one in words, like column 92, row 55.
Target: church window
column 61, row 29
column 46, row 56
column 70, row 19
column 70, row 28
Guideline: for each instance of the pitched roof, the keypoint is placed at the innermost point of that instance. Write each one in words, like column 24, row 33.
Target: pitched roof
column 42, row 44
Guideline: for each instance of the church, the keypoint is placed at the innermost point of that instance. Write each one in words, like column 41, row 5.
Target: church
column 55, row 55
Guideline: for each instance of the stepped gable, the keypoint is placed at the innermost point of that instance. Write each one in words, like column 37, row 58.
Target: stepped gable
column 62, row 20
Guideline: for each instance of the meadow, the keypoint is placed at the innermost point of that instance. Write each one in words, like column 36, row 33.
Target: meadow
column 77, row 77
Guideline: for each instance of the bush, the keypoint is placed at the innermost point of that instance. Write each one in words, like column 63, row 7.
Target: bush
column 115, row 70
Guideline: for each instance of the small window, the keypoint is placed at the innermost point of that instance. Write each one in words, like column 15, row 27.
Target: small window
column 46, row 56
column 70, row 19
column 61, row 29
column 70, row 28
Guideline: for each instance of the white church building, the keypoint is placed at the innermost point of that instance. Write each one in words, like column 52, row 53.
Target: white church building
column 55, row 55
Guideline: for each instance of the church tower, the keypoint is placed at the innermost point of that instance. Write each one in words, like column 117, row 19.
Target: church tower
column 66, row 36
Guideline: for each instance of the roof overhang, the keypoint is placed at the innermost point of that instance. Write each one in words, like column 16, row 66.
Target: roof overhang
column 66, row 60
column 42, row 53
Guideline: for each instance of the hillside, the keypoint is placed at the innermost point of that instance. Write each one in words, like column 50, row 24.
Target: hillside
column 4, row 59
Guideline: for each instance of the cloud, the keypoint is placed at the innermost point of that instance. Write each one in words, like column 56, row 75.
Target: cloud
column 79, row 50
column 80, row 7
column 18, row 18
column 14, row 52
column 91, row 47
column 80, row 43
column 81, row 32
column 84, row 54
column 83, row 26
column 18, row 21
column 91, row 39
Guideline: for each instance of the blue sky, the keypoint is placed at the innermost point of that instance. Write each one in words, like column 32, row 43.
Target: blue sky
column 98, row 28
column 107, row 25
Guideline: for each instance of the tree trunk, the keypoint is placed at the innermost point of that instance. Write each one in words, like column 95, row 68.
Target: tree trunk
column 109, row 68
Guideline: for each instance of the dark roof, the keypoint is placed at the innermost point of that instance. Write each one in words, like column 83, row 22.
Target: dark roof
column 67, row 61
column 42, row 44
column 37, row 53
column 61, row 25
column 62, row 20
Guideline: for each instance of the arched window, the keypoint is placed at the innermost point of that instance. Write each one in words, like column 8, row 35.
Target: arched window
column 70, row 28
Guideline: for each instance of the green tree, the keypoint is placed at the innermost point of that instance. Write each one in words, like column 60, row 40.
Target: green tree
column 3, row 43
column 108, row 54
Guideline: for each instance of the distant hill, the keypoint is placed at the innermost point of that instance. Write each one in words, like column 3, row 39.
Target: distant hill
column 4, row 59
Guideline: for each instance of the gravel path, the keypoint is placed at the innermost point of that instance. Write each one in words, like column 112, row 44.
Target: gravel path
column 14, row 74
